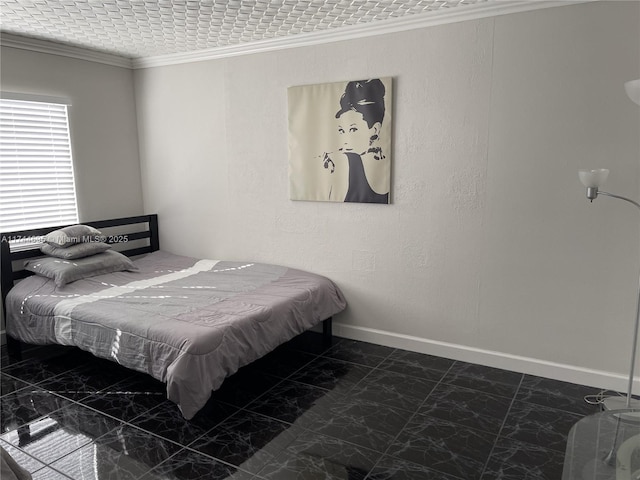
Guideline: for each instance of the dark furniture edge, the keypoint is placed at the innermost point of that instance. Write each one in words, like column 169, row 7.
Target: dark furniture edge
column 9, row 274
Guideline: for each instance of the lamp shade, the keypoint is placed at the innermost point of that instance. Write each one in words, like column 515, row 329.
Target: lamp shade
column 593, row 178
column 632, row 88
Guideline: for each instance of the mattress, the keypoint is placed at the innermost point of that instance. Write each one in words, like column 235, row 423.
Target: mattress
column 187, row 322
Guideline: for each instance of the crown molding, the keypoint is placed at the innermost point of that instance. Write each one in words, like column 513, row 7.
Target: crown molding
column 63, row 50
column 393, row 25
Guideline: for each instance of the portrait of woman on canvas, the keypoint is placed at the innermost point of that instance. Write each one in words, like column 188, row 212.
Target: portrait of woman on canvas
column 353, row 163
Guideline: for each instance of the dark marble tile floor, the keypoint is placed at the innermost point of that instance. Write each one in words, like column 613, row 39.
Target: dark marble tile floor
column 349, row 411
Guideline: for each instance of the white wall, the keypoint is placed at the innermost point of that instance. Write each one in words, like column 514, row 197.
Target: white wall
column 560, row 275
column 102, row 121
column 489, row 251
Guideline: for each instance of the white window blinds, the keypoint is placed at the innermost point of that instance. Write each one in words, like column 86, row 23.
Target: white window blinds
column 36, row 170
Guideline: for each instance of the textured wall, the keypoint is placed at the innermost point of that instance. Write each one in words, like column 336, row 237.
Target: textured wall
column 488, row 249
column 102, row 121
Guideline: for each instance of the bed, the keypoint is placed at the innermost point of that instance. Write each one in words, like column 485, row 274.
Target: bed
column 187, row 322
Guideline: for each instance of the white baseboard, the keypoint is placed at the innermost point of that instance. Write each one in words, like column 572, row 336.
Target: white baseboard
column 530, row 366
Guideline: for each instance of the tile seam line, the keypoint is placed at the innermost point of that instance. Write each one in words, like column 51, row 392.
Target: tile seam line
column 386, row 452
column 504, row 421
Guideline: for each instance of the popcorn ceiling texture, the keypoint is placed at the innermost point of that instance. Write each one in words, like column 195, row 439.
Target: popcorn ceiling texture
column 141, row 28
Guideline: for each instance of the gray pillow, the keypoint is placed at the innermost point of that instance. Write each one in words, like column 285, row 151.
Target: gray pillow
column 77, row 250
column 73, row 234
column 67, row 271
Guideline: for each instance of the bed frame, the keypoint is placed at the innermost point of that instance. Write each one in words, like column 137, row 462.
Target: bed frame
column 141, row 229
column 119, row 232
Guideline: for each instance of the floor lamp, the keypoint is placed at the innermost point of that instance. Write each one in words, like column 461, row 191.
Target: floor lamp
column 593, row 179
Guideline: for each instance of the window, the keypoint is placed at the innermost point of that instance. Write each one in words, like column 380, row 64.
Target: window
column 36, row 169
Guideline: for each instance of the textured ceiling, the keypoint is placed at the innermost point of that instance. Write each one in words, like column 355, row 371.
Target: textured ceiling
column 146, row 28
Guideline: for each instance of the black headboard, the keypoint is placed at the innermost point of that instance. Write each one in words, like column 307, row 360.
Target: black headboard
column 120, row 232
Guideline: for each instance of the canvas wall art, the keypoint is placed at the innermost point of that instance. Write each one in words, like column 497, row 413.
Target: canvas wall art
column 340, row 141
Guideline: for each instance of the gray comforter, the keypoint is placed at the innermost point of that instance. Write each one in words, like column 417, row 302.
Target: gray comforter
column 189, row 323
